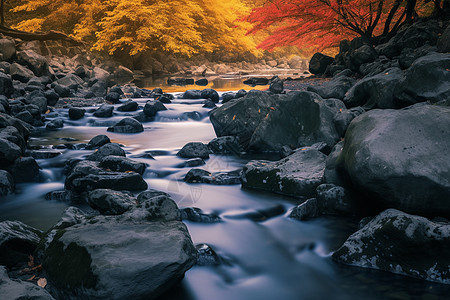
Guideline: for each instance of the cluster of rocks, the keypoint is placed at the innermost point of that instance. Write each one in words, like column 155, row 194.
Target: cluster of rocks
column 372, row 138
column 132, row 246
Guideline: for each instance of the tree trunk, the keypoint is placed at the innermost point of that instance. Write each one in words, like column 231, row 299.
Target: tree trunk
column 39, row 36
column 2, row 12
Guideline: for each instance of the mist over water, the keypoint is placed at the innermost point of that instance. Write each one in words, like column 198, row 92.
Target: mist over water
column 278, row 258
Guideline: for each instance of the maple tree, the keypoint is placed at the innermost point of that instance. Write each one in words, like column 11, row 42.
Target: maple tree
column 319, row 24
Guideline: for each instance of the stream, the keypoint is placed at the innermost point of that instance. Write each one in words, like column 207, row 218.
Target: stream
column 278, row 258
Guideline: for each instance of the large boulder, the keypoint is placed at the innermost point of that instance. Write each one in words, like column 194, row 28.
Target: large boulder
column 335, row 88
column 319, row 63
column 375, row 91
column 17, row 242
column 14, row 289
column 21, row 73
column 104, row 111
column 397, row 158
column 7, row 49
column 297, row 175
column 35, row 62
column 139, row 255
column 426, row 80
column 400, row 243
column 6, row 85
column 266, row 122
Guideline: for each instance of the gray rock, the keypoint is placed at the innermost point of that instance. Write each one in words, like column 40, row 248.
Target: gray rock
column 62, row 91
column 343, row 118
column 196, row 215
column 207, row 256
column 152, row 107
column 335, row 200
column 130, row 105
column 98, row 141
column 443, row 43
column 14, row 289
column 218, row 178
column 225, row 145
column 127, row 125
column 400, row 243
column 17, row 242
column 107, row 150
column 192, row 94
column 6, row 183
column 76, row 113
column 335, row 88
column 7, row 48
column 297, row 175
column 25, row 169
column 104, row 111
column 122, row 164
column 397, row 158
column 210, row 94
column 118, row 256
column 112, row 97
column 376, row 91
column 6, row 85
column 71, row 81
column 35, row 62
column 9, row 152
column 52, row 97
column 55, row 124
column 194, row 150
column 110, row 202
column 364, row 54
column 307, row 210
column 276, row 85
column 426, row 80
column 21, row 73
column 319, row 62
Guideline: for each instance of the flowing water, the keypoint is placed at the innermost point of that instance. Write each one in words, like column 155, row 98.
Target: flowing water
column 278, row 258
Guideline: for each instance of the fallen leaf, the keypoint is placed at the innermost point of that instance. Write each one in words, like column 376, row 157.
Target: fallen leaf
column 272, row 108
column 48, row 111
column 129, row 171
column 234, row 117
column 31, row 278
column 42, row 282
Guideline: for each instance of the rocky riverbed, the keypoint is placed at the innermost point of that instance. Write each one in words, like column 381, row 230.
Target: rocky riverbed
column 278, row 190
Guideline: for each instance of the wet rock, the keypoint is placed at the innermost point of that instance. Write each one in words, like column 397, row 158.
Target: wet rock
column 87, row 175
column 7, row 48
column 253, row 81
column 25, row 169
column 98, row 141
column 385, row 243
column 130, row 105
column 55, row 124
column 307, row 210
column 21, row 73
column 99, row 88
column 193, row 162
column 225, row 145
column 364, row 54
column 9, row 152
column 409, row 56
column 267, row 123
column 336, row 88
column 166, row 98
column 6, row 85
column 192, row 94
column 375, row 91
column 44, row 153
column 106, row 150
column 154, row 207
column 443, row 43
column 241, row 93
column 41, row 103
column 110, row 202
column 259, row 215
column 149, row 194
column 202, row 82
column 76, row 113
column 127, row 125
column 193, row 150
column 6, row 183
column 62, row 91
column 196, row 215
column 35, row 62
column 118, row 257
column 319, row 62
column 17, row 242
column 228, row 96
column 218, row 178
column 297, row 175
column 276, row 85
column 426, row 80
column 25, row 116
column 344, row 117
column 207, row 256
column 152, row 107
column 210, row 94
column 52, row 97
column 209, row 104
column 396, row 158
column 122, row 164
column 113, row 97
column 335, row 200
column 14, row 289
column 71, row 81
column 104, row 111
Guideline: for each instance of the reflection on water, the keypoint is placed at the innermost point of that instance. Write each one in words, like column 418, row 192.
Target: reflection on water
column 279, row 258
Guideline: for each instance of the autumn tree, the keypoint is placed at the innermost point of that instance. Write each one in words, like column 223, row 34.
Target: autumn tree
column 319, row 24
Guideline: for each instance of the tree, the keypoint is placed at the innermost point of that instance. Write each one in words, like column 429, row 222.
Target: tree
column 319, row 24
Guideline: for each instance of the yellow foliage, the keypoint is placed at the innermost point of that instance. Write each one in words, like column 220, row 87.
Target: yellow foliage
column 31, row 25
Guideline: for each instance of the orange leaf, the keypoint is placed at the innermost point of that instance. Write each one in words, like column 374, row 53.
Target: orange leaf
column 31, row 278
column 234, row 117
column 272, row 108
column 48, row 111
column 42, row 282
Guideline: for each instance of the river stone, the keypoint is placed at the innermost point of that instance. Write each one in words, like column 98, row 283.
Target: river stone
column 122, row 164
column 130, row 105
column 118, row 257
column 297, row 175
column 110, row 202
column 14, row 289
column 87, row 176
column 443, row 43
column 57, row 123
column 127, row 125
column 426, row 80
column 307, row 210
column 7, row 48
column 152, row 107
column 225, row 145
column 276, row 85
column 335, row 88
column 196, row 215
column 210, row 94
column 106, row 150
column 9, row 152
column 62, row 91
column 113, row 97
column 104, row 111
column 218, row 178
column 6, row 183
column 98, row 141
column 6, row 85
column 37, row 63
column 397, row 158
column 192, row 94
column 76, row 113
column 17, row 242
column 194, row 150
column 207, row 256
column 343, row 118
column 375, row 91
column 400, row 243
column 21, row 73
column 25, row 169
column 319, row 63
